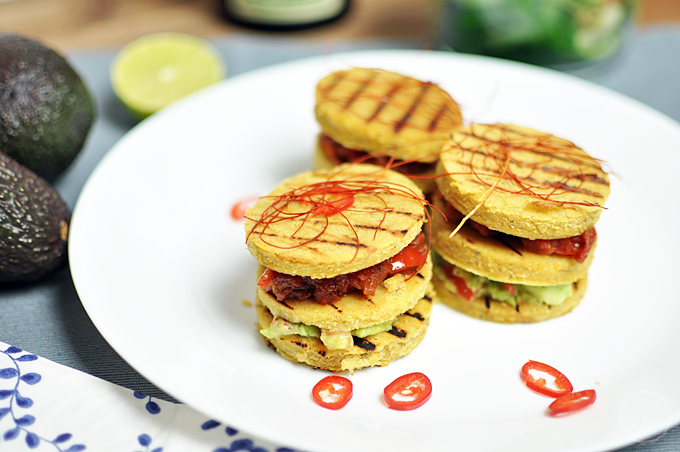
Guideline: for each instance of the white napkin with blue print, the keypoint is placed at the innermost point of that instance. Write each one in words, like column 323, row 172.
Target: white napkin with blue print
column 45, row 406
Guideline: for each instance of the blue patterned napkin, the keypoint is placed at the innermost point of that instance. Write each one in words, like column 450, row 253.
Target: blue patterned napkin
column 45, row 406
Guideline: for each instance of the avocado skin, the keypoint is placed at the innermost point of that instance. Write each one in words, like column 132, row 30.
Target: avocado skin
column 46, row 111
column 34, row 222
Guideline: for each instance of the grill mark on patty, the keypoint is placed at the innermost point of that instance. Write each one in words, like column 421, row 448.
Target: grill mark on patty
column 382, row 229
column 398, row 332
column 543, row 184
column 566, row 187
column 574, row 159
column 590, row 177
column 385, row 100
column 416, row 315
column 583, row 177
column 399, row 125
column 363, row 343
column 302, row 239
column 576, row 174
column 283, row 303
column 436, row 118
column 362, row 87
column 339, row 76
column 417, row 215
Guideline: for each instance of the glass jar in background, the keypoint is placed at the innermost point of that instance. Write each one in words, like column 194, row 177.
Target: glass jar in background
column 283, row 14
column 544, row 32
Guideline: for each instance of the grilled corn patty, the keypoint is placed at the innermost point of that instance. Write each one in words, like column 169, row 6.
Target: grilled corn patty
column 547, row 187
column 385, row 113
column 380, row 349
column 377, row 226
column 500, row 312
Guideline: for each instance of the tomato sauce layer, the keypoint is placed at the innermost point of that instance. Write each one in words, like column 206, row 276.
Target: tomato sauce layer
column 577, row 247
column 330, row 290
column 339, row 154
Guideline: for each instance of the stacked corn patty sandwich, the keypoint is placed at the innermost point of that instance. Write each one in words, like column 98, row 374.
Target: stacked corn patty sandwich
column 528, row 202
column 375, row 115
column 344, row 276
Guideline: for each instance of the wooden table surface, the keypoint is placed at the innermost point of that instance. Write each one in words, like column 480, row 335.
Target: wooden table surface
column 82, row 24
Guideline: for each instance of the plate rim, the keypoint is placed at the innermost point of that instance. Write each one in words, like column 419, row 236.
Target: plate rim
column 170, row 111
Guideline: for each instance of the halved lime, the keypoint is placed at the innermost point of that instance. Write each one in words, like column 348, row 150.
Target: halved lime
column 157, row 69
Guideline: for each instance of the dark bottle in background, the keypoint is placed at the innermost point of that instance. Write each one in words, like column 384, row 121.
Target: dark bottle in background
column 282, row 14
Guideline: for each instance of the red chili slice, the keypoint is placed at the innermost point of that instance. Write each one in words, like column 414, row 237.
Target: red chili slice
column 332, row 392
column 330, row 208
column 578, row 246
column 238, row 211
column 408, row 392
column 572, row 402
column 408, row 258
column 540, row 385
column 511, row 289
column 461, row 286
column 265, row 278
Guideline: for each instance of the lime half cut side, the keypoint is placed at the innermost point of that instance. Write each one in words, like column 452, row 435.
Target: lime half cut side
column 155, row 70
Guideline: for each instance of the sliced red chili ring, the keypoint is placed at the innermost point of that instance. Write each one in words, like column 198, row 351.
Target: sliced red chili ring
column 460, row 283
column 330, row 208
column 332, row 392
column 265, row 278
column 540, row 385
column 238, row 211
column 572, row 402
column 408, row 392
column 410, row 257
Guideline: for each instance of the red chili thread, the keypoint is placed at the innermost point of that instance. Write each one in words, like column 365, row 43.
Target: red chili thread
column 501, row 154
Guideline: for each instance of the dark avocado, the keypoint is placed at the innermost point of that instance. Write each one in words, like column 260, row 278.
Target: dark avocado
column 45, row 109
column 34, row 224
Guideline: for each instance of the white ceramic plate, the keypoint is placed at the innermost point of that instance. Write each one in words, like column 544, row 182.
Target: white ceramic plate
column 162, row 270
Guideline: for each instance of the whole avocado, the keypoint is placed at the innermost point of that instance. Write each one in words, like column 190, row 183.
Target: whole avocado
column 46, row 110
column 34, row 224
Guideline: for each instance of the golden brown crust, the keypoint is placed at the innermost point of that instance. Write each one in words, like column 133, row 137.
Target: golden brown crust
column 502, row 260
column 377, row 350
column 385, row 113
column 500, row 312
column 321, row 162
column 561, row 189
column 377, row 226
column 354, row 311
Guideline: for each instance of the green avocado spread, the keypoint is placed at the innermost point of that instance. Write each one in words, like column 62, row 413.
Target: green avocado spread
column 507, row 293
column 331, row 339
